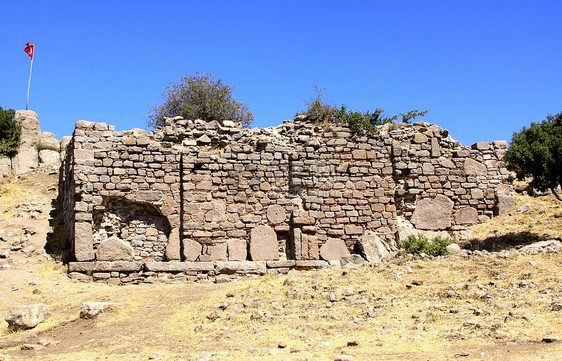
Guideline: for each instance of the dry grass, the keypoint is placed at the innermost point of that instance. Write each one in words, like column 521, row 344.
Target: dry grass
column 407, row 309
column 544, row 219
column 497, row 306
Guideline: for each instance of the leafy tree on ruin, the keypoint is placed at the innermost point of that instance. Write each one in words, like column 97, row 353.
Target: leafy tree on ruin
column 200, row 96
column 537, row 152
column 10, row 132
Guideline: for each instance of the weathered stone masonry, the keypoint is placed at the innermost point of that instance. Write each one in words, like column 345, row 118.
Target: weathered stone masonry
column 197, row 199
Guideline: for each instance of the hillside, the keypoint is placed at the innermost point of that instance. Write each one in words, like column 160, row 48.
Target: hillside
column 501, row 305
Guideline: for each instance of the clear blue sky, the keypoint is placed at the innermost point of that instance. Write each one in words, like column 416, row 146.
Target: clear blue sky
column 483, row 69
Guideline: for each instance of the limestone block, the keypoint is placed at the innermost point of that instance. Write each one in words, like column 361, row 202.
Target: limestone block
column 92, row 309
column 217, row 213
column 27, row 316
column 311, row 242
column 191, row 249
column 25, row 160
column 49, row 157
column 435, row 148
column 30, row 128
column 481, row 146
column 473, row 167
column 237, row 249
column 263, row 244
column 48, row 140
column 433, row 213
column 503, row 204
column 276, row 214
column 173, row 246
column 114, row 249
column 217, row 252
column 83, row 246
column 466, row 215
column 240, row 267
column 420, row 138
column 334, row 249
column 373, row 248
column 5, row 166
column 149, row 196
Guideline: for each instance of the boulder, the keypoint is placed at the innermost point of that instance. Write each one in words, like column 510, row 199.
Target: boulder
column 92, row 309
column 433, row 213
column 466, row 215
column 114, row 249
column 48, row 140
column 263, row 244
column 373, row 248
column 27, row 316
column 334, row 249
column 454, row 248
column 49, row 157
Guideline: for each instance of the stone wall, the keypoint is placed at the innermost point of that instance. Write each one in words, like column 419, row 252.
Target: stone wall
column 193, row 196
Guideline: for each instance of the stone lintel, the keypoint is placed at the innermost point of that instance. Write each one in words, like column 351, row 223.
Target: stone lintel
column 104, row 266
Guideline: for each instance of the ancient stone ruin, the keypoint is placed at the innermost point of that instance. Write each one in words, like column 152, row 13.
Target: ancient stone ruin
column 203, row 200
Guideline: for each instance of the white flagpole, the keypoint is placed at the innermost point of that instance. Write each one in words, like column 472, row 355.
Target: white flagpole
column 29, row 83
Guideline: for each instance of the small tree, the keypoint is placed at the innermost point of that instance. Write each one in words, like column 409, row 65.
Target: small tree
column 10, row 132
column 200, row 96
column 537, row 152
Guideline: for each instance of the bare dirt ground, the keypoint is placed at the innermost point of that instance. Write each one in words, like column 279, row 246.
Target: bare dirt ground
column 504, row 305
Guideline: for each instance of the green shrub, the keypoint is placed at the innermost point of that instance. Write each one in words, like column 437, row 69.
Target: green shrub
column 318, row 111
column 421, row 244
column 537, row 152
column 200, row 96
column 10, row 132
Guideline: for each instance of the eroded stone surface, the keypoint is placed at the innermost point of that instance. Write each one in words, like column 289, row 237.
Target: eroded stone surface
column 473, row 167
column 466, row 215
column 334, row 249
column 373, row 248
column 276, row 214
column 433, row 213
column 263, row 244
column 191, row 249
column 27, row 316
column 114, row 249
column 237, row 250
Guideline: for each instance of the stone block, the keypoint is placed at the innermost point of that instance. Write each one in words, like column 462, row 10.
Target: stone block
column 373, row 248
column 433, row 213
column 173, row 245
column 237, row 250
column 466, row 215
column 83, row 246
column 104, row 266
column 276, row 214
column 473, row 167
column 244, row 267
column 191, row 249
column 263, row 244
column 114, row 249
column 334, row 249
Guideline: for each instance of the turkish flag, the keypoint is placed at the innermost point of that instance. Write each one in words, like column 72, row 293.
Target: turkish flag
column 29, row 49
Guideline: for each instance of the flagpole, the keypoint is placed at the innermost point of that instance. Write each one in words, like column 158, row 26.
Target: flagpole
column 29, row 84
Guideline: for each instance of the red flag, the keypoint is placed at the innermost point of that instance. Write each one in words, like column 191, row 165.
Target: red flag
column 29, row 50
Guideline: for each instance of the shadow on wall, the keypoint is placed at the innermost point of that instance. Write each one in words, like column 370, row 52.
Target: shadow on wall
column 505, row 242
column 58, row 243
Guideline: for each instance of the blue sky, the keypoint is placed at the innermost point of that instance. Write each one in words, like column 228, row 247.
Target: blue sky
column 483, row 69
